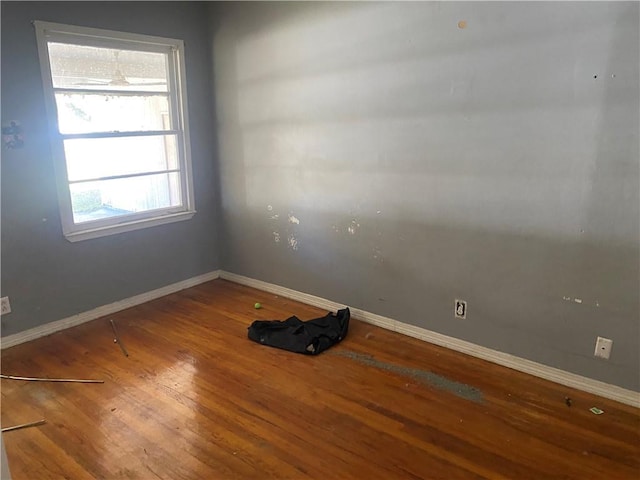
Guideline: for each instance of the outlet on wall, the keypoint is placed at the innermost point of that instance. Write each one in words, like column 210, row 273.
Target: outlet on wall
column 460, row 309
column 5, row 306
column 603, row 348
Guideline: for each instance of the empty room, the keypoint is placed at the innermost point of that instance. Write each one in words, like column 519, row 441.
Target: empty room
column 337, row 240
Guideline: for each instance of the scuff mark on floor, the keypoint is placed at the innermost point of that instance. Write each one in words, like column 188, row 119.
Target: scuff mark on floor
column 461, row 390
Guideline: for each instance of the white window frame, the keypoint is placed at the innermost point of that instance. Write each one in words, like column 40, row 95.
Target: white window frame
column 177, row 95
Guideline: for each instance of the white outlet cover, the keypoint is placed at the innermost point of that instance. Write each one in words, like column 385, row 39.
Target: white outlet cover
column 603, row 348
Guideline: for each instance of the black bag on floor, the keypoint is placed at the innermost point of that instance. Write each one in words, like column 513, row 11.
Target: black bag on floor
column 310, row 337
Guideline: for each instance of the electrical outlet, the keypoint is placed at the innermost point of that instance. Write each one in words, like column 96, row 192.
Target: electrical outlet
column 603, row 348
column 5, row 306
column 460, row 309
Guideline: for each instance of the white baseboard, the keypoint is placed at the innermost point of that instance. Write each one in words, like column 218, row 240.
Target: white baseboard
column 55, row 326
column 596, row 387
column 613, row 392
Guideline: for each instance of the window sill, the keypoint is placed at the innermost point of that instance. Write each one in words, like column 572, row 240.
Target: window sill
column 128, row 227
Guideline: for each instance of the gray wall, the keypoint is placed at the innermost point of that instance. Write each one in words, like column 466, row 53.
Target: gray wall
column 46, row 276
column 424, row 162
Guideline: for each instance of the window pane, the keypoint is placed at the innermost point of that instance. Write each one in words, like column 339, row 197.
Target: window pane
column 80, row 113
column 75, row 66
column 124, row 196
column 91, row 158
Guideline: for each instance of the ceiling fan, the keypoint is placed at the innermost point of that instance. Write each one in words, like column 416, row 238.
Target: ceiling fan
column 118, row 79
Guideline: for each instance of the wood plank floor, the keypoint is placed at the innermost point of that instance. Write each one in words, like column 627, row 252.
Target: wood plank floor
column 196, row 399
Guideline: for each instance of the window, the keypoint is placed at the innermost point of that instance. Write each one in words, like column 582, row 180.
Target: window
column 118, row 114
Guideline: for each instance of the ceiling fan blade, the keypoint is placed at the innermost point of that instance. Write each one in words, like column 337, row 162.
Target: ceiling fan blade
column 91, row 82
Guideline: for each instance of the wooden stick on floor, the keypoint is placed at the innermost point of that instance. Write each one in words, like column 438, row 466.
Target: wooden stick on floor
column 117, row 339
column 34, row 379
column 24, row 425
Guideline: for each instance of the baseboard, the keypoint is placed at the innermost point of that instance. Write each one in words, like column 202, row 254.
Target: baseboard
column 55, row 326
column 613, row 392
column 562, row 377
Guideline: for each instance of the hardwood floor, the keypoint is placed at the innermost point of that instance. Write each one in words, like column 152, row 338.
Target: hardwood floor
column 197, row 399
